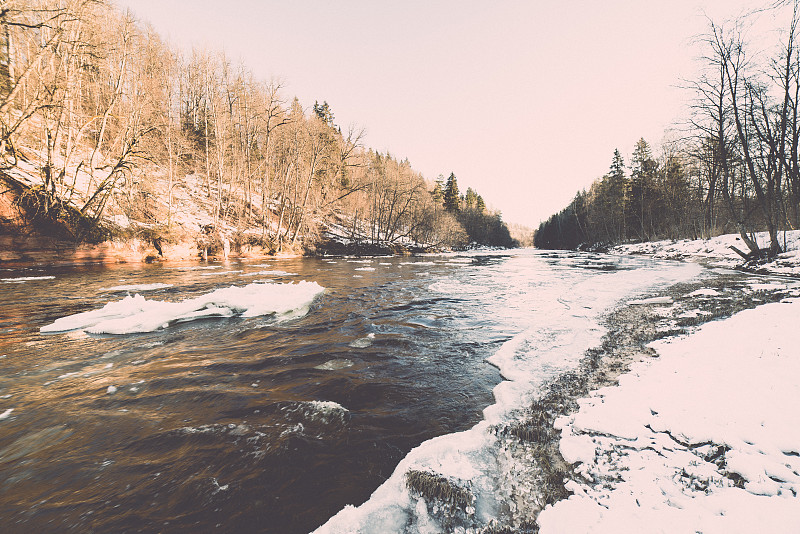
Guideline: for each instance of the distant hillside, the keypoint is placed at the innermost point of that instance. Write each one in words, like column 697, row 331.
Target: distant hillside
column 107, row 132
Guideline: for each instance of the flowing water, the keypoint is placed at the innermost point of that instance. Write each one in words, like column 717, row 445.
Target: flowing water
column 253, row 424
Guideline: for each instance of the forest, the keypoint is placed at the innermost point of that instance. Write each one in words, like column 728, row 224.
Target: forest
column 734, row 168
column 106, row 130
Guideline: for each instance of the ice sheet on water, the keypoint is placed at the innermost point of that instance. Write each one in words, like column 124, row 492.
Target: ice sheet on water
column 137, row 287
column 273, row 272
column 218, row 273
column 22, row 279
column 137, row 314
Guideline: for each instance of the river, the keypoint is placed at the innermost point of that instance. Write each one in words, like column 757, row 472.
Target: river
column 273, row 422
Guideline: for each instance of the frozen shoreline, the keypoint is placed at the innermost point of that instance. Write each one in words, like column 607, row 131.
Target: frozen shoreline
column 703, row 437
column 717, row 252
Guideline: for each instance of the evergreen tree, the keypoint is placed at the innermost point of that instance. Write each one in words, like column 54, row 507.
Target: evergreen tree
column 451, row 196
column 618, row 193
column 470, row 198
column 642, row 191
column 617, row 169
column 323, row 111
column 437, row 193
column 480, row 205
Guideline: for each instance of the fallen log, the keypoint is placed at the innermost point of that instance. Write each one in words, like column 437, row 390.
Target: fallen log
column 744, row 255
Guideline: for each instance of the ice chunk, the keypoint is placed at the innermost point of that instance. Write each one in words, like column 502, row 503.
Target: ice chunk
column 363, row 342
column 136, row 314
column 577, row 449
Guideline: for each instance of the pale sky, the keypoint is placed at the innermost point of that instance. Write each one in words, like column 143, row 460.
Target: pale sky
column 525, row 101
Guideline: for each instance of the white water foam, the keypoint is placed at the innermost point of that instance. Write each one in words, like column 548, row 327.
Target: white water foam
column 136, row 314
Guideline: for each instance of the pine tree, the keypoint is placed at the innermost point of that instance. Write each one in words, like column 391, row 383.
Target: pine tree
column 438, row 190
column 618, row 194
column 642, row 190
column 451, row 195
column 323, row 112
column 470, row 198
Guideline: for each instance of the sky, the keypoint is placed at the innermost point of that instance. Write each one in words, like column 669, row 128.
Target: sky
column 524, row 101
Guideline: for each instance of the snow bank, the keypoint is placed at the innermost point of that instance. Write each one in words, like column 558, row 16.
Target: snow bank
column 718, row 250
column 136, row 314
column 703, row 439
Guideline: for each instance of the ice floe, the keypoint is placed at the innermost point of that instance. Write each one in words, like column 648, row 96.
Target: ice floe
column 363, row 342
column 137, row 314
column 269, row 273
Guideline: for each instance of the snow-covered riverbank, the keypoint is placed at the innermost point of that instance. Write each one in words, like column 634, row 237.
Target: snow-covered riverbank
column 717, row 251
column 703, row 438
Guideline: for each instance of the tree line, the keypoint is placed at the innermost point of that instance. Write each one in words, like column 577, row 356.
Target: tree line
column 113, row 120
column 735, row 169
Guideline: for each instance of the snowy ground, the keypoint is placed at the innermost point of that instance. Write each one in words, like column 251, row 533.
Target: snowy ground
column 703, row 438
column 718, row 252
